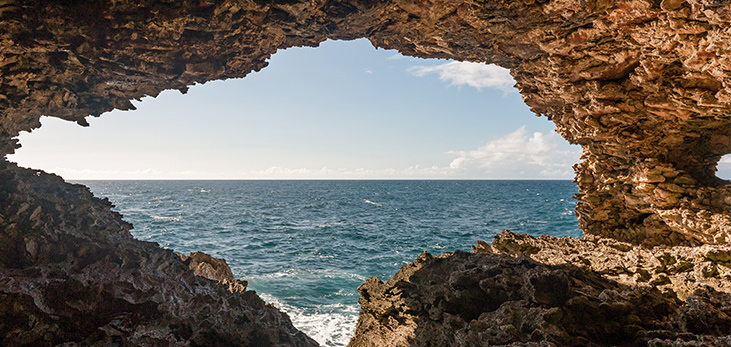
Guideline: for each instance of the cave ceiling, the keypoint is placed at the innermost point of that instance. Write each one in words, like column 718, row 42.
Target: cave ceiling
column 643, row 86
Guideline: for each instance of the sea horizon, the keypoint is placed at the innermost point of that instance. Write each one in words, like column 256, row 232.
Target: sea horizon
column 305, row 245
column 320, row 179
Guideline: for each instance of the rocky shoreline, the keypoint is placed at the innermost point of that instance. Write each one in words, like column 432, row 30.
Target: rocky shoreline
column 71, row 274
column 550, row 291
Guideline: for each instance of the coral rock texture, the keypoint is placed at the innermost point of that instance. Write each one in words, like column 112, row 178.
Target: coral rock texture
column 643, row 86
column 494, row 298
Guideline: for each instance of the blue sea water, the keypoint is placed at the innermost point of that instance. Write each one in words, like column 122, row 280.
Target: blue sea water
column 305, row 246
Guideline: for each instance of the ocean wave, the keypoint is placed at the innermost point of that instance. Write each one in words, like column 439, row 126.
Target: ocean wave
column 166, row 218
column 330, row 325
column 323, row 273
column 334, row 224
column 371, row 202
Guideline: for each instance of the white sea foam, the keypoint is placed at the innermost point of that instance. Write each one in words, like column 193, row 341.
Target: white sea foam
column 334, row 224
column 323, row 273
column 371, row 202
column 166, row 218
column 329, row 325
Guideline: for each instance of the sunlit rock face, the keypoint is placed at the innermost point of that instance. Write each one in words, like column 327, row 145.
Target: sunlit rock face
column 548, row 291
column 643, row 86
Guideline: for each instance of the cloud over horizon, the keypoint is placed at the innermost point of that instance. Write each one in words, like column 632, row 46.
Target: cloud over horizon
column 476, row 75
column 518, row 154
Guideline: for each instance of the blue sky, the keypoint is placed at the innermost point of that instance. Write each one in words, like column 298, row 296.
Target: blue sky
column 342, row 110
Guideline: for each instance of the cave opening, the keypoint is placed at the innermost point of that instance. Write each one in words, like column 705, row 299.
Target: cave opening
column 641, row 85
column 190, row 202
column 340, row 111
column 724, row 168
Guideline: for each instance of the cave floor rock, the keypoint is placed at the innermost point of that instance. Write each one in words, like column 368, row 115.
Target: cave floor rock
column 549, row 291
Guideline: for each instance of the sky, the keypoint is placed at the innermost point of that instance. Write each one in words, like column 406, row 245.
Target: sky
column 343, row 110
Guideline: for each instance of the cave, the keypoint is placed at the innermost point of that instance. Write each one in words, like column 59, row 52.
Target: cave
column 641, row 85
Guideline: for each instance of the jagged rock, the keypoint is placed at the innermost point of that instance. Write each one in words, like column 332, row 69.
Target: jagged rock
column 71, row 273
column 504, row 296
column 679, row 270
column 205, row 265
column 643, row 86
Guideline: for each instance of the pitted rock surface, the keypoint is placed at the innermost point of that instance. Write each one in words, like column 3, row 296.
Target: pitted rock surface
column 643, row 86
column 677, row 271
column 489, row 299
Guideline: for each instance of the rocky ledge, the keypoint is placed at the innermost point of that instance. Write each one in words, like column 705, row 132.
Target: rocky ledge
column 71, row 273
column 551, row 291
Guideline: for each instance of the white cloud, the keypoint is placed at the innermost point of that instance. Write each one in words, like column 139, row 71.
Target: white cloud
column 517, row 153
column 476, row 75
column 726, row 159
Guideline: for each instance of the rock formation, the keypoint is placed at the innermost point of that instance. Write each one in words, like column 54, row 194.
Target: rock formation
column 642, row 85
column 492, row 297
column 70, row 272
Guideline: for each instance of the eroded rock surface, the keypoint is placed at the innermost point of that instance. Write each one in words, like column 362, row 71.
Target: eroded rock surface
column 70, row 272
column 548, row 292
column 678, row 270
column 642, row 85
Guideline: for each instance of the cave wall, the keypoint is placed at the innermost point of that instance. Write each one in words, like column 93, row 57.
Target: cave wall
column 643, row 86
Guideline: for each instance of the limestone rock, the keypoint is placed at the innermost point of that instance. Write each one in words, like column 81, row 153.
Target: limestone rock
column 71, row 273
column 643, row 86
column 547, row 292
column 205, row 265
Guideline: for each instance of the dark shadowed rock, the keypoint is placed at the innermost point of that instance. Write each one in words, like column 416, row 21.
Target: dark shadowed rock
column 70, row 272
column 492, row 299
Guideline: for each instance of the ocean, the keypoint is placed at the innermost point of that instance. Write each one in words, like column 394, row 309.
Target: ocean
column 305, row 246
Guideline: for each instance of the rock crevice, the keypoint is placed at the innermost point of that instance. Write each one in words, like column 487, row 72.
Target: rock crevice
column 556, row 292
